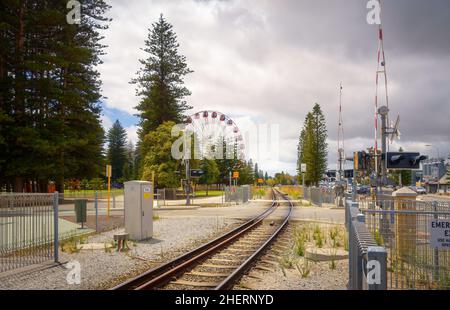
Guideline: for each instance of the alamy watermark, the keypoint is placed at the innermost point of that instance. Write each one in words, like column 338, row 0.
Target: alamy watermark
column 74, row 275
column 373, row 272
column 374, row 15
column 73, row 17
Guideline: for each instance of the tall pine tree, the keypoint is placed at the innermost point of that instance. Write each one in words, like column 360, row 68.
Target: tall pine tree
column 320, row 142
column 256, row 172
column 130, row 162
column 313, row 147
column 49, row 95
column 160, row 81
column 117, row 153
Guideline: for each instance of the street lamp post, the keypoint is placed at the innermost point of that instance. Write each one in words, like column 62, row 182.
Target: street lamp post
column 439, row 158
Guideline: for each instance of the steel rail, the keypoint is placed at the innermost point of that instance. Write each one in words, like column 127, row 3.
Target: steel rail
column 229, row 282
column 164, row 273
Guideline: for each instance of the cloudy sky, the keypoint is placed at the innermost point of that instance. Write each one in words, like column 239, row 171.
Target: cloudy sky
column 269, row 61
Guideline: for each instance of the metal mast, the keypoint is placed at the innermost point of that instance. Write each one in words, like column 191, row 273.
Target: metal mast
column 381, row 70
column 341, row 142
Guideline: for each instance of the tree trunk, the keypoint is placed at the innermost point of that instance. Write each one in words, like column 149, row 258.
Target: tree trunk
column 43, row 186
column 18, row 184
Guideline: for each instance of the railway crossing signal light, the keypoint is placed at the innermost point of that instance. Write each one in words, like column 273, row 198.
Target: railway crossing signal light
column 361, row 161
column 404, row 161
column 417, row 159
column 356, row 161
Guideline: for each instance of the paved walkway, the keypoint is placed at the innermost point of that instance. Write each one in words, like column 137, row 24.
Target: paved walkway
column 254, row 208
column 243, row 211
column 24, row 231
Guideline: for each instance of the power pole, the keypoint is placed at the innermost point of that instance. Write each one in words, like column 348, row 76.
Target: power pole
column 383, row 112
column 341, row 145
column 341, row 155
column 381, row 70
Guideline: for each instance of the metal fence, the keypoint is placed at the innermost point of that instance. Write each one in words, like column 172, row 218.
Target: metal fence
column 115, row 199
column 160, row 197
column 363, row 253
column 403, row 228
column 319, row 196
column 28, row 226
column 241, row 194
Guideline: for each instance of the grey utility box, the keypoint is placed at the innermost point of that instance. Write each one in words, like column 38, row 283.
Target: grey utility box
column 138, row 204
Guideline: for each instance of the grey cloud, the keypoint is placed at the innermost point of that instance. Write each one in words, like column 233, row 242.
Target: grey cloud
column 274, row 59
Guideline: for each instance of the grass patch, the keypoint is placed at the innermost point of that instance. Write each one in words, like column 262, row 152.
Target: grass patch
column 295, row 192
column 260, row 193
column 318, row 236
column 287, row 262
column 304, row 269
column 210, row 205
column 301, row 237
column 71, row 245
column 300, row 247
column 333, row 259
column 109, row 246
column 334, row 235
column 378, row 238
column 90, row 193
column 212, row 193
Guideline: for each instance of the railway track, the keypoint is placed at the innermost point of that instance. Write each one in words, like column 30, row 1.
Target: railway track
column 220, row 263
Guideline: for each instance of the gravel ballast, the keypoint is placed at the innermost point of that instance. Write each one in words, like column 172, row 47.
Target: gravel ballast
column 101, row 269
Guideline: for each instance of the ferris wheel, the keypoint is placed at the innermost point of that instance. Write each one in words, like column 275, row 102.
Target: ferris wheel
column 210, row 127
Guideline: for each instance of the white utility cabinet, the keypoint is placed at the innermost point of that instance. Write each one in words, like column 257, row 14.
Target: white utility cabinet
column 138, row 204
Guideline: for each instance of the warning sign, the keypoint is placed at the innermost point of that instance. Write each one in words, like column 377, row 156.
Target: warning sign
column 147, row 192
column 108, row 171
column 236, row 175
column 440, row 234
column 303, row 168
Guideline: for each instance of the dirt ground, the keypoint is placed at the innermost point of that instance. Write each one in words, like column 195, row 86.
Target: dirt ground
column 281, row 268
